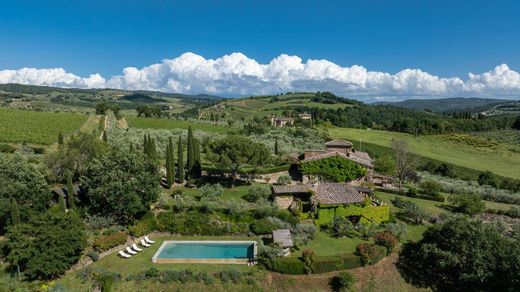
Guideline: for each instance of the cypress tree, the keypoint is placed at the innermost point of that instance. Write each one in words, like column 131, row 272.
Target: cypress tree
column 197, row 168
column 70, row 190
column 276, row 146
column 15, row 212
column 105, row 138
column 170, row 168
column 61, row 203
column 191, row 158
column 180, row 160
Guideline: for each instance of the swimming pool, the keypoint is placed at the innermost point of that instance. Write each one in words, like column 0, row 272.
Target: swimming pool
column 217, row 252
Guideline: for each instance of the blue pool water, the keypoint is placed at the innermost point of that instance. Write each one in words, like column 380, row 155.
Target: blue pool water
column 209, row 250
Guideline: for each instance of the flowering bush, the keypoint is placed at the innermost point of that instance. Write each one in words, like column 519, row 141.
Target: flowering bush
column 387, row 240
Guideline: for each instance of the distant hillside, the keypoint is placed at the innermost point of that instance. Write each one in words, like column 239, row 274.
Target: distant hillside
column 449, row 104
column 52, row 98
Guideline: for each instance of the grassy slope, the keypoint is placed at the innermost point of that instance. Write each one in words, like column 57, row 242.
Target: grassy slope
column 498, row 160
column 153, row 123
column 262, row 107
column 17, row 126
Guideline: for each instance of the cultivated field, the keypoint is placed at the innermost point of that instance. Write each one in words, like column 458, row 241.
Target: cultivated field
column 465, row 151
column 18, row 126
column 151, row 123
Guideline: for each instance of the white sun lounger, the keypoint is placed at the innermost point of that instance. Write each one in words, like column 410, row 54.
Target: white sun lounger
column 124, row 254
column 136, row 248
column 130, row 251
column 148, row 239
column 144, row 243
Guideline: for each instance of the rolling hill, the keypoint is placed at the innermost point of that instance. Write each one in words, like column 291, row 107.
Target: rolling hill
column 449, row 104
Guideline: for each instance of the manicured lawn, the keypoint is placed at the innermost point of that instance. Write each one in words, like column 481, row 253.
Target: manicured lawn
column 325, row 245
column 498, row 159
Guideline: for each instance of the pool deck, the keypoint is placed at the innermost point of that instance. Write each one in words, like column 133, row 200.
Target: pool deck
column 240, row 261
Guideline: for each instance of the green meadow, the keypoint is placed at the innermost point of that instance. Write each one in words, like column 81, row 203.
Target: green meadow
column 465, row 151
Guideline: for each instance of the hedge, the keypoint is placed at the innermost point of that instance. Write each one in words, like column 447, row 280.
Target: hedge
column 143, row 226
column 324, row 264
column 369, row 214
column 288, row 265
column 107, row 242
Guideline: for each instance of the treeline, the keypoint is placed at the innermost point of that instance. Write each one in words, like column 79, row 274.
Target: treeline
column 403, row 120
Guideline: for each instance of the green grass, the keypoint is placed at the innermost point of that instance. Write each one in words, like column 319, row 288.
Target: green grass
column 143, row 261
column 325, row 245
column 153, row 123
column 18, row 126
column 229, row 194
column 498, row 159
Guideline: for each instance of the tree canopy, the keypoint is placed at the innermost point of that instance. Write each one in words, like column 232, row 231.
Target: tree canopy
column 24, row 183
column 121, row 184
column 232, row 153
column 462, row 254
column 48, row 245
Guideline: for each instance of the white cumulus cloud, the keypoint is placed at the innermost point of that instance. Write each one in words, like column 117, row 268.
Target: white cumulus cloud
column 236, row 74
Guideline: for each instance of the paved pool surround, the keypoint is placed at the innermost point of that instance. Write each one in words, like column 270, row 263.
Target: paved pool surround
column 205, row 252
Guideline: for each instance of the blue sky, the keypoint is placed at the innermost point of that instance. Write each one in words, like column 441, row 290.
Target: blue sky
column 443, row 38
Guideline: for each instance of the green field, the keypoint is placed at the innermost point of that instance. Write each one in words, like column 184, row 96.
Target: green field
column 152, row 123
column 498, row 158
column 263, row 107
column 18, row 126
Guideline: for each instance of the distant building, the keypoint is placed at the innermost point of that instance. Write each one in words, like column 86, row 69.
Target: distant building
column 281, row 121
column 305, row 117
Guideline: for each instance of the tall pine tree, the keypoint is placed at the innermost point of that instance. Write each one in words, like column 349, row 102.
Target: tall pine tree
column 71, row 199
column 180, row 160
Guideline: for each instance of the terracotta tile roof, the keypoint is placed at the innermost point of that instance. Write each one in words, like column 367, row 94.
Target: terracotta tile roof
column 336, row 193
column 338, row 143
column 325, row 155
column 361, row 158
column 291, row 189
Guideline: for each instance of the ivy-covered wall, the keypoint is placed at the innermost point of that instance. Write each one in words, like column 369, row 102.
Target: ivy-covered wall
column 369, row 214
column 337, row 169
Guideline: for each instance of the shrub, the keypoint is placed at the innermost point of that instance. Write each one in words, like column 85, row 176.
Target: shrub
column 308, row 257
column 263, row 226
column 365, row 251
column 151, row 273
column 256, row 193
column 145, row 225
column 467, row 204
column 284, row 180
column 107, row 242
column 106, row 283
column 343, row 227
column 93, row 255
column 430, row 188
column 387, row 240
column 397, row 229
column 344, row 281
column 233, row 275
column 211, row 191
